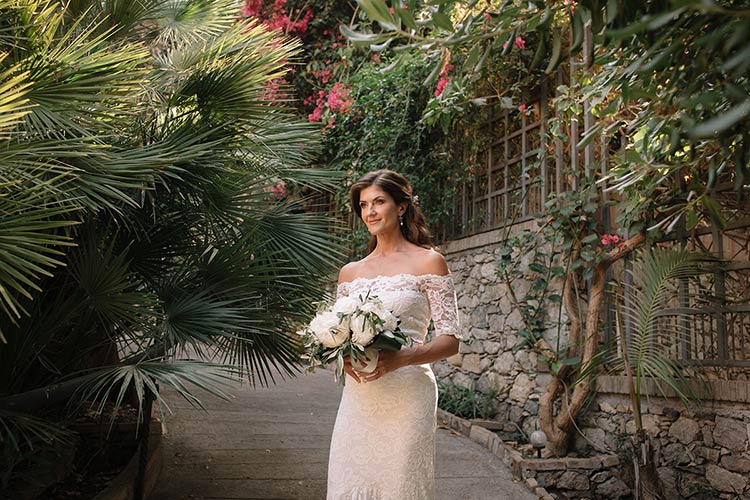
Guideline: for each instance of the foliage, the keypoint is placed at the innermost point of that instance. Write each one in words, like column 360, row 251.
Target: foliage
column 646, row 349
column 383, row 129
column 150, row 203
column 320, row 71
column 672, row 75
column 656, row 276
column 466, row 403
column 667, row 86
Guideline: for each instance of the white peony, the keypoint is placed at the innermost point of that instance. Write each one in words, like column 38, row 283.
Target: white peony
column 329, row 330
column 374, row 306
column 390, row 321
column 362, row 331
column 346, row 305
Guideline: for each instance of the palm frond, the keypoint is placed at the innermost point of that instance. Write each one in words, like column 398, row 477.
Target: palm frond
column 224, row 77
column 14, row 104
column 301, row 237
column 109, row 289
column 30, row 243
column 644, row 304
column 78, row 80
column 20, row 430
column 201, row 316
column 187, row 22
column 143, row 377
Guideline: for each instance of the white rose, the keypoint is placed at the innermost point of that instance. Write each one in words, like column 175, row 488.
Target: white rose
column 362, row 331
column 329, row 330
column 346, row 305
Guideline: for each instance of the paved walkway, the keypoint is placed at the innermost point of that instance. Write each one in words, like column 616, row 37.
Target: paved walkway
column 272, row 443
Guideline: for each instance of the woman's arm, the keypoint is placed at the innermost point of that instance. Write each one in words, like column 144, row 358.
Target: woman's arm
column 442, row 347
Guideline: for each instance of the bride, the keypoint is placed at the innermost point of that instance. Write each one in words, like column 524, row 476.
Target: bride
column 383, row 444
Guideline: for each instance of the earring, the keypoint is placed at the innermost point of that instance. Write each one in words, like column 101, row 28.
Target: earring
column 401, row 220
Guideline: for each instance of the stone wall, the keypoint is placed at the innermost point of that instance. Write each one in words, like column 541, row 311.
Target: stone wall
column 701, row 453
column 486, row 359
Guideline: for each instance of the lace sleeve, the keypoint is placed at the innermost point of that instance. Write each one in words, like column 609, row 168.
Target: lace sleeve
column 441, row 295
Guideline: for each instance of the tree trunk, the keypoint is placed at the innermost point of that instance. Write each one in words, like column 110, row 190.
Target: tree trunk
column 558, row 428
column 647, row 484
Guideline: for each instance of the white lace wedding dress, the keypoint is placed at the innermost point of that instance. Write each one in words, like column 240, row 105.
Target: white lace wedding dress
column 383, row 444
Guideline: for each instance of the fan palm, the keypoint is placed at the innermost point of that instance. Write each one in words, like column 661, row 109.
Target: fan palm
column 137, row 152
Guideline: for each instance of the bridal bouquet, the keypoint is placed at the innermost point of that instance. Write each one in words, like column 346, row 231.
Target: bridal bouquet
column 353, row 326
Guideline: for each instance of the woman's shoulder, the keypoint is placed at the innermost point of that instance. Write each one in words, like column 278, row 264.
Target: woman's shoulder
column 432, row 262
column 349, row 271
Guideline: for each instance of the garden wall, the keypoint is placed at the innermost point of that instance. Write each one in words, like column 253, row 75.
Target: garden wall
column 486, row 359
column 701, row 452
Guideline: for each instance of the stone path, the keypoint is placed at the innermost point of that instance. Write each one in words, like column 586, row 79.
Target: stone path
column 272, row 443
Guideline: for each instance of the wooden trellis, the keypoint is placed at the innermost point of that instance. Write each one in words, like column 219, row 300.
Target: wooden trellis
column 518, row 170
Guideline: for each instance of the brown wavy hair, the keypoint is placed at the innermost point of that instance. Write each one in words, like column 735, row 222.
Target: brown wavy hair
column 414, row 228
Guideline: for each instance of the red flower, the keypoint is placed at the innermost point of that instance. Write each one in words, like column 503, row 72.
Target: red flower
column 518, row 42
column 375, row 58
column 610, row 239
column 280, row 190
column 446, row 69
column 316, row 115
column 338, row 99
column 441, row 85
column 522, row 108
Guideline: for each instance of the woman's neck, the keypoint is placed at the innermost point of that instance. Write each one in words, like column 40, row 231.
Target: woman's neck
column 390, row 243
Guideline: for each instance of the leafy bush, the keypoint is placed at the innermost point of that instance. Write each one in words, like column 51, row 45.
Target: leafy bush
column 466, row 403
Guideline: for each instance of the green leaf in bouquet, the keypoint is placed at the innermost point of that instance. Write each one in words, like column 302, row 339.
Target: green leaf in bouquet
column 385, row 343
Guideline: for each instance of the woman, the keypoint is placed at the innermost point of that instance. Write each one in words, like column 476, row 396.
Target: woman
column 383, row 443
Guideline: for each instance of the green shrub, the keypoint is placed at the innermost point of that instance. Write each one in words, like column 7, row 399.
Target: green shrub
column 466, row 403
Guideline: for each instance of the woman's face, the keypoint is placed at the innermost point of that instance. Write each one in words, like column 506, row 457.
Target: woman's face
column 379, row 210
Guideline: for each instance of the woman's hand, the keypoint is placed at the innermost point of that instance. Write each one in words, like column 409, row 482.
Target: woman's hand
column 388, row 361
column 349, row 370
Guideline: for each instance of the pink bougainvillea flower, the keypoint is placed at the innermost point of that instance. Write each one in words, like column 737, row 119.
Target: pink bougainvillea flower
column 505, row 45
column 605, row 240
column 441, row 85
column 614, row 238
column 486, row 16
column 279, row 190
column 522, row 108
column 391, row 10
column 519, row 42
column 330, row 124
column 273, row 92
column 375, row 58
column 316, row 115
column 338, row 98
